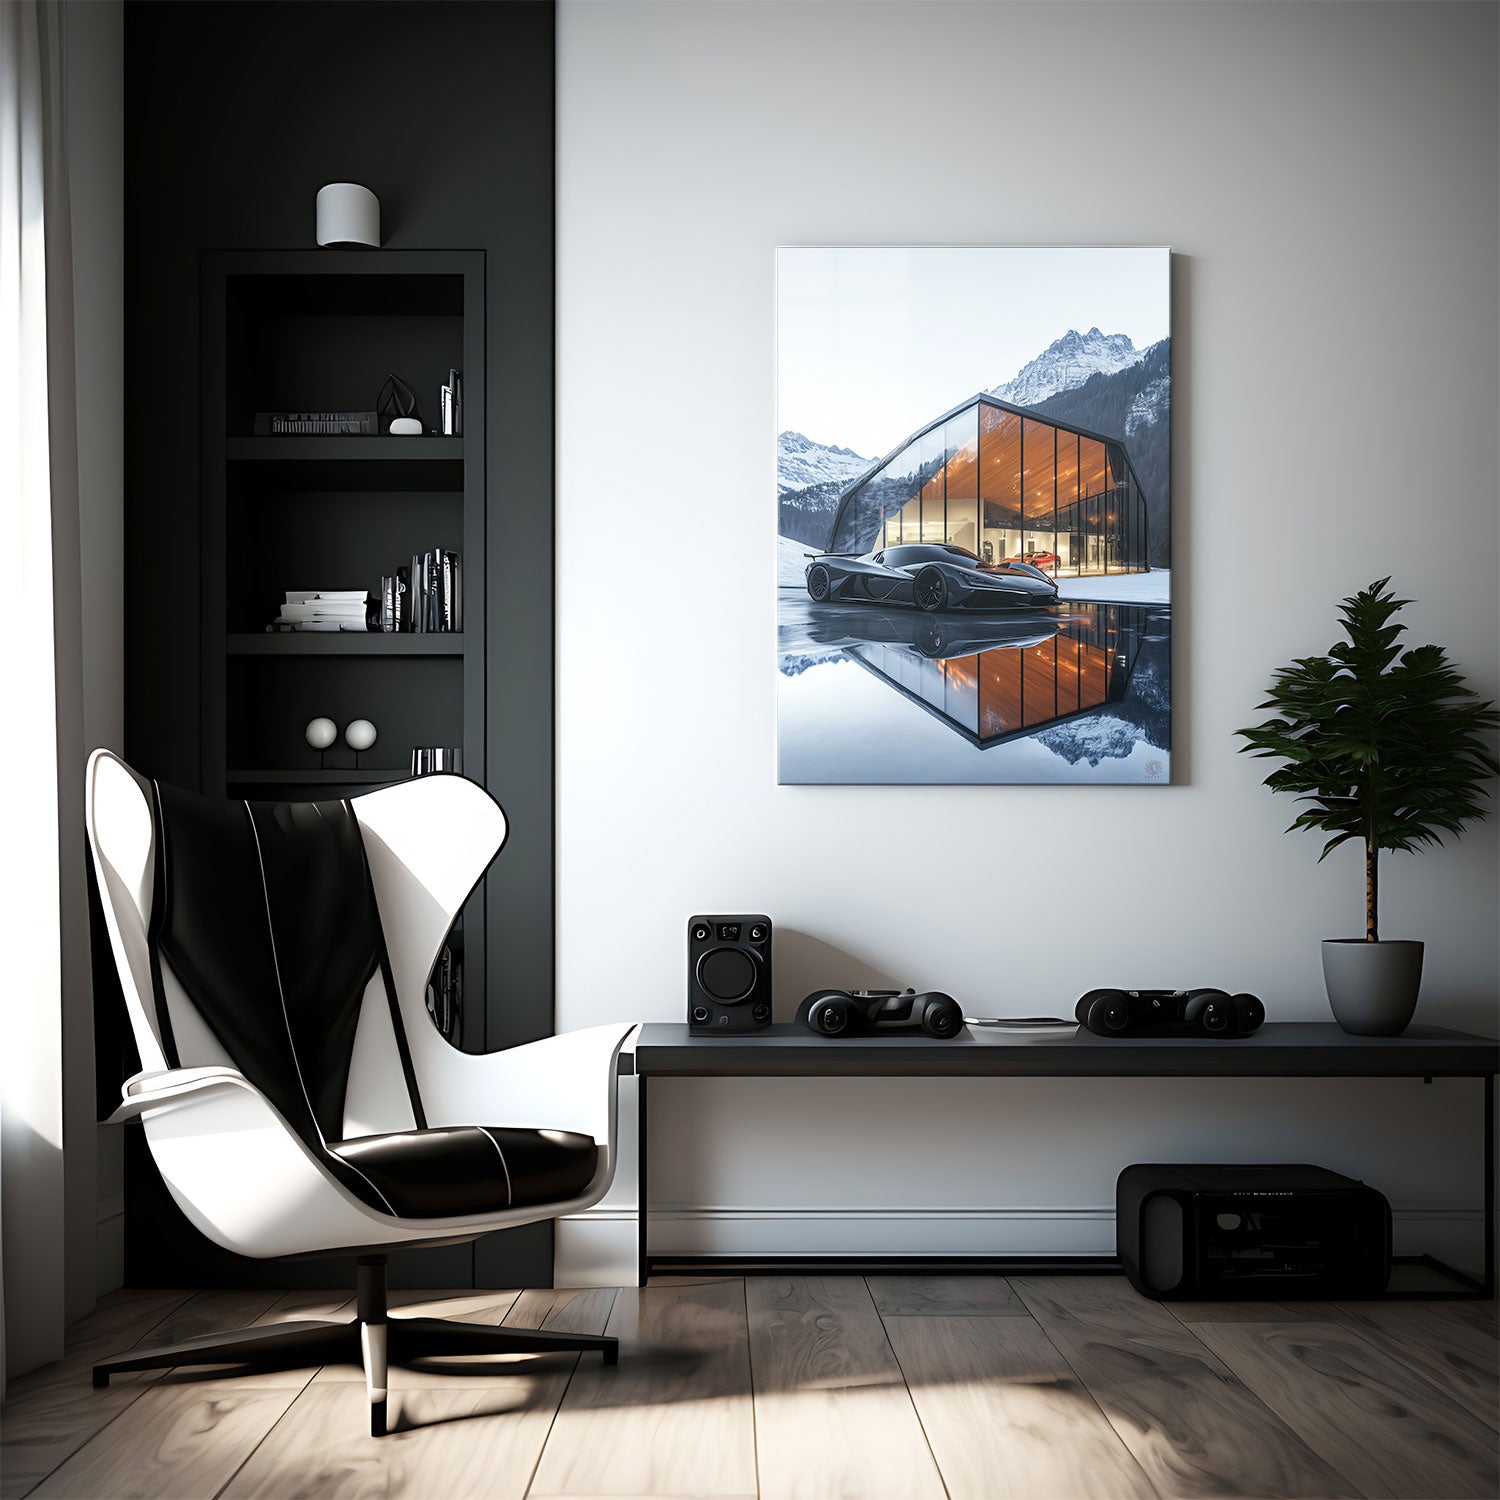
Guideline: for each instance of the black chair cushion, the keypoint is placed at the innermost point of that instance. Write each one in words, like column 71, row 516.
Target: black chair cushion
column 470, row 1169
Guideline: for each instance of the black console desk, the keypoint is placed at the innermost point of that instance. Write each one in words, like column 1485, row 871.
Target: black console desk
column 1280, row 1049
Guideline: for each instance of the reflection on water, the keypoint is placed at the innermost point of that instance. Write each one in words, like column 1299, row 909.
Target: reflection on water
column 1079, row 691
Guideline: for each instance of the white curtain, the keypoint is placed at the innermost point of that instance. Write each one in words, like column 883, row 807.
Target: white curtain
column 43, row 950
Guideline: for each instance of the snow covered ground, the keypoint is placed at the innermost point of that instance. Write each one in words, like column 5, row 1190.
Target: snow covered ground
column 791, row 562
column 1154, row 587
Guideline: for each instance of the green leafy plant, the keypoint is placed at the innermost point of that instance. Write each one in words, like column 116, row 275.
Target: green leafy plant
column 1388, row 745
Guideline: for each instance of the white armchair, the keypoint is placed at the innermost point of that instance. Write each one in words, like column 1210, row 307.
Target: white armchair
column 296, row 1097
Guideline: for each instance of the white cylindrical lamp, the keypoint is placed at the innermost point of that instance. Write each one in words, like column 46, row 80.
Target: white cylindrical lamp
column 348, row 214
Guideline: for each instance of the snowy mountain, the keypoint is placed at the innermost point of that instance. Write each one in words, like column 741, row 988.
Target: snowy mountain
column 1068, row 363
column 802, row 463
column 1149, row 406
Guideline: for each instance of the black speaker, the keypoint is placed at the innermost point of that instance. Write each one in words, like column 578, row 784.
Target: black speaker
column 1231, row 1233
column 729, row 974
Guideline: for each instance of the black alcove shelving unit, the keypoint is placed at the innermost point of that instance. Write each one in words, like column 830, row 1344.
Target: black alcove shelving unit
column 316, row 331
column 211, row 703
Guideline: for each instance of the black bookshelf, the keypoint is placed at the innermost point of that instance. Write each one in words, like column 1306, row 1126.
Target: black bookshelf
column 321, row 330
column 490, row 189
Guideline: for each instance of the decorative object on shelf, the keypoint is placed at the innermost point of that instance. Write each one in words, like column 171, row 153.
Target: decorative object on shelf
column 729, row 974
column 320, row 734
column 348, row 214
column 317, row 423
column 1393, row 748
column 395, row 403
column 451, row 401
column 858, row 1012
column 427, row 760
column 325, row 609
column 1200, row 1012
column 436, row 592
column 359, row 735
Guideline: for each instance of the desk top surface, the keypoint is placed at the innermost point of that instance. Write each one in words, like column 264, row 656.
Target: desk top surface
column 1280, row 1049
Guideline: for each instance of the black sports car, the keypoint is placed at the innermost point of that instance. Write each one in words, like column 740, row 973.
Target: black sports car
column 930, row 575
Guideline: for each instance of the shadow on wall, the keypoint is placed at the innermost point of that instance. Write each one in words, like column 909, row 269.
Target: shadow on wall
column 804, row 963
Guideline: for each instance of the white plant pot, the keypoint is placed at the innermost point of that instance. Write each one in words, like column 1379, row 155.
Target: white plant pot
column 1372, row 987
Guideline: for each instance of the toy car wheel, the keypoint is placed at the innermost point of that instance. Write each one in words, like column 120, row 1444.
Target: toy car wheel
column 930, row 590
column 818, row 583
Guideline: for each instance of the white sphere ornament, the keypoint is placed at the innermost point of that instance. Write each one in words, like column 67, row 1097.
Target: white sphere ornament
column 348, row 214
column 360, row 735
column 320, row 733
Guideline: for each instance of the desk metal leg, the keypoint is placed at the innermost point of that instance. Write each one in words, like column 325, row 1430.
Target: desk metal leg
column 642, row 1213
column 1488, row 1274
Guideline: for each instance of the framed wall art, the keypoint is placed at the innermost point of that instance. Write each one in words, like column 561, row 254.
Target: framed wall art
column 973, row 574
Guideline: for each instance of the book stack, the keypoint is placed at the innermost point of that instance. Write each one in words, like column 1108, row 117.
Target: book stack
column 324, row 423
column 451, row 397
column 427, row 597
column 323, row 609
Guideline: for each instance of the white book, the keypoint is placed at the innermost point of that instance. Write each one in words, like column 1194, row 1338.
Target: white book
column 321, row 607
column 302, row 596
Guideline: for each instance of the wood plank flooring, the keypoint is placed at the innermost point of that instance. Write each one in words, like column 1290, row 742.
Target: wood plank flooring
column 830, row 1388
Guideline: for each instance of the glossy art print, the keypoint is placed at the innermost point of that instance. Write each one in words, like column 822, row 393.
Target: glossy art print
column 973, row 578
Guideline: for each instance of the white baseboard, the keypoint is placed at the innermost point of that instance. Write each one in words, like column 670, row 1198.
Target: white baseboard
column 598, row 1247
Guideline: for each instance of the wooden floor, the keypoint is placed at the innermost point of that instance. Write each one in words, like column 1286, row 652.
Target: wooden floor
column 971, row 1387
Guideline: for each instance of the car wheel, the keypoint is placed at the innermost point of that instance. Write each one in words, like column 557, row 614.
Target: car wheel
column 930, row 590
column 818, row 583
column 929, row 637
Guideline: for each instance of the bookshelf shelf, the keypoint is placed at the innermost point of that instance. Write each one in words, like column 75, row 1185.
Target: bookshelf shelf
column 297, row 448
column 320, row 776
column 342, row 643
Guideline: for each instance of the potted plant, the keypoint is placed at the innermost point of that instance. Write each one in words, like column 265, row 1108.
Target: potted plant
column 1390, row 747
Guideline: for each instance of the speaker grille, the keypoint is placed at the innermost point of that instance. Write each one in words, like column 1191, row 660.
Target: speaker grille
column 1161, row 1243
column 727, row 974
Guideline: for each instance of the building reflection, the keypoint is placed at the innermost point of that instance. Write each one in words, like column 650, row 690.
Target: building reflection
column 1077, row 662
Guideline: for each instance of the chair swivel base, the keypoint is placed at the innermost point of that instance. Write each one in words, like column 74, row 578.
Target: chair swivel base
column 371, row 1339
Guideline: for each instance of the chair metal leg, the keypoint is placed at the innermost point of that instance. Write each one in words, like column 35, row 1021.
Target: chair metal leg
column 372, row 1343
column 371, row 1310
column 276, row 1346
column 372, row 1338
column 427, row 1338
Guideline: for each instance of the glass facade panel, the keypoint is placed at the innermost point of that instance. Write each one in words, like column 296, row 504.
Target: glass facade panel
column 961, row 696
column 1093, row 483
column 911, row 520
column 1039, row 683
column 961, row 478
column 930, row 477
column 1069, row 548
column 1004, row 486
column 1039, row 480
column 999, row 483
column 1000, row 691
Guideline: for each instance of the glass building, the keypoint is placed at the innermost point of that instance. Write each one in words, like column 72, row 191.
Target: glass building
column 1006, row 484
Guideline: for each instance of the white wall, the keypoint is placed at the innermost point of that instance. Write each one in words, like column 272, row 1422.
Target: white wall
column 1326, row 175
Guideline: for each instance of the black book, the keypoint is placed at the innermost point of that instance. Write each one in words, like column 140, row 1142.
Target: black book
column 403, row 599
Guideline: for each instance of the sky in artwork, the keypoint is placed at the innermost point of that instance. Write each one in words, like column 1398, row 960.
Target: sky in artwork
column 873, row 343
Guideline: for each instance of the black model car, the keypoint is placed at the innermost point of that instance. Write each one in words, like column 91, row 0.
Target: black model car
column 931, row 576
